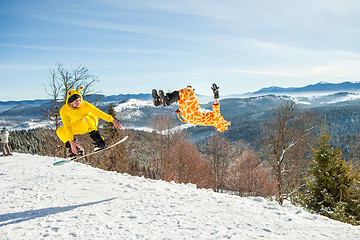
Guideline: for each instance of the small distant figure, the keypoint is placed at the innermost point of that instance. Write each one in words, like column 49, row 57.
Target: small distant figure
column 4, row 137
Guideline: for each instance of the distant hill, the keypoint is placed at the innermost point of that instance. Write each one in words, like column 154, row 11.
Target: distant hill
column 318, row 88
column 12, row 107
column 116, row 98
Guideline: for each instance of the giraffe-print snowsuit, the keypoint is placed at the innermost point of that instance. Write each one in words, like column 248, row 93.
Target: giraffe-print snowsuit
column 190, row 111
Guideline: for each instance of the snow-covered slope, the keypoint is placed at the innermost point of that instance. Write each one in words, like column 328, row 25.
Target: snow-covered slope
column 75, row 201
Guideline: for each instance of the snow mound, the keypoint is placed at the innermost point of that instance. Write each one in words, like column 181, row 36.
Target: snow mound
column 76, row 201
column 348, row 97
column 133, row 104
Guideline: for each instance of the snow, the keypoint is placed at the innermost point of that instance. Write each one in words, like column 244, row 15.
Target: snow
column 77, row 201
column 178, row 128
column 164, row 132
column 349, row 97
column 133, row 104
column 25, row 125
column 144, row 129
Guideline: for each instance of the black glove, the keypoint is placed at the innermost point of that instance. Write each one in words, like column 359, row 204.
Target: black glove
column 215, row 89
column 191, row 87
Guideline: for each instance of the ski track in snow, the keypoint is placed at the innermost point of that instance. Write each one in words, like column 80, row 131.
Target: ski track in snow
column 77, row 201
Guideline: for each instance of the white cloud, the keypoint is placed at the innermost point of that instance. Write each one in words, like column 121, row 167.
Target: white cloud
column 13, row 67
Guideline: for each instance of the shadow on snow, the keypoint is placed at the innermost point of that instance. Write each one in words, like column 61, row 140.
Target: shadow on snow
column 12, row 218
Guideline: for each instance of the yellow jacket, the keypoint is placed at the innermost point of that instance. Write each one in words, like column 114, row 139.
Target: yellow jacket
column 73, row 116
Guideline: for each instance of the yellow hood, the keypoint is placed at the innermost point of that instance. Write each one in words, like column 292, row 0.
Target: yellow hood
column 72, row 92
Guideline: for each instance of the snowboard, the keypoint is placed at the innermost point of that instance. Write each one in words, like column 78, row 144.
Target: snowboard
column 89, row 154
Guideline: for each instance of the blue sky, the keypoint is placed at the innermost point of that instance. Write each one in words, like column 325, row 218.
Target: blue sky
column 135, row 46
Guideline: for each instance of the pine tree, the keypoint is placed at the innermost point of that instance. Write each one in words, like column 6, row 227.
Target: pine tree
column 330, row 185
column 111, row 131
column 117, row 159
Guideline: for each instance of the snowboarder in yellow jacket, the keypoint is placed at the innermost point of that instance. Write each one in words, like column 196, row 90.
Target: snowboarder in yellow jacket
column 80, row 117
column 189, row 109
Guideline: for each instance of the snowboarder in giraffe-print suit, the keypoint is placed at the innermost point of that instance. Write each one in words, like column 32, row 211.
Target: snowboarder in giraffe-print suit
column 189, row 109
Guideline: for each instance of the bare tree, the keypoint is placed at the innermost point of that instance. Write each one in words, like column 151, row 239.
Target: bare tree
column 165, row 138
column 284, row 134
column 248, row 177
column 188, row 164
column 220, row 155
column 74, row 78
column 54, row 92
column 62, row 79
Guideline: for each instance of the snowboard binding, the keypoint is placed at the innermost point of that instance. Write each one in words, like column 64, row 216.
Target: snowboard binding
column 79, row 148
column 98, row 140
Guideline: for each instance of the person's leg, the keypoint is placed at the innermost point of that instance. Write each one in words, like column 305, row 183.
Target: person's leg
column 169, row 98
column 91, row 123
column 156, row 98
column 99, row 141
column 3, row 149
column 61, row 133
column 88, row 124
column 7, row 149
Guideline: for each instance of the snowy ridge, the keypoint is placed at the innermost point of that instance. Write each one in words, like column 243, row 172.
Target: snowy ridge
column 131, row 109
column 76, row 201
column 164, row 132
column 25, row 125
column 349, row 97
column 133, row 104
column 318, row 88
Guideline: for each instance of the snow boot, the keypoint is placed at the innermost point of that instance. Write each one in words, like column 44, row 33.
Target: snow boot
column 79, row 148
column 215, row 91
column 98, row 140
column 169, row 98
column 156, row 98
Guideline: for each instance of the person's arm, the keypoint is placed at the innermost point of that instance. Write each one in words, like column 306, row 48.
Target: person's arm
column 97, row 112
column 65, row 118
column 73, row 145
column 117, row 124
column 66, row 122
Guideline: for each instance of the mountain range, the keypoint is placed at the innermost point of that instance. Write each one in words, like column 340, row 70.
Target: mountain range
column 245, row 111
column 318, row 88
